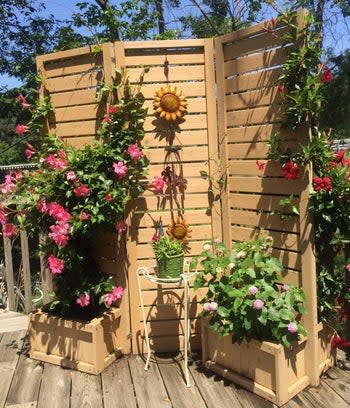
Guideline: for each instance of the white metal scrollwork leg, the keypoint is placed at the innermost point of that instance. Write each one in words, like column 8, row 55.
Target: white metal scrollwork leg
column 186, row 329
column 139, row 270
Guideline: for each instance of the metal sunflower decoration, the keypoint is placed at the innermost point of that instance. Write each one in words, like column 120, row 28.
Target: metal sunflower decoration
column 169, row 103
column 179, row 230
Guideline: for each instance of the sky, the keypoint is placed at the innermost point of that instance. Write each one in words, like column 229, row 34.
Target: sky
column 336, row 36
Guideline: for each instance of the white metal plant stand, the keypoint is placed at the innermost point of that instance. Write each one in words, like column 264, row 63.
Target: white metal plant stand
column 182, row 281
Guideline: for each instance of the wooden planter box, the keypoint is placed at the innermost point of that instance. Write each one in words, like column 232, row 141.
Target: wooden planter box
column 264, row 368
column 85, row 346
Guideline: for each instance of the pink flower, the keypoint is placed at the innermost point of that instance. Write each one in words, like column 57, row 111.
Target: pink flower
column 290, row 170
column 253, row 290
column 59, row 234
column 8, row 185
column 29, row 151
column 108, row 197
column 322, row 184
column 84, row 216
column 56, row 265
column 121, row 227
column 347, row 267
column 106, row 119
column 120, row 169
column 258, row 304
column 207, row 307
column 155, row 237
column 112, row 109
column 134, row 152
column 280, row 88
column 261, row 165
column 158, row 184
column 9, row 230
column 22, row 100
column 108, row 299
column 57, row 212
column 83, row 300
column 292, row 327
column 214, row 306
column 21, row 129
column 82, row 191
column 285, row 287
column 71, row 175
column 42, row 206
column 56, row 163
column 117, row 292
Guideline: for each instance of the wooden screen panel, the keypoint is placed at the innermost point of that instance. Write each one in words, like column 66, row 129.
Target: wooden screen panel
column 253, row 111
column 185, row 67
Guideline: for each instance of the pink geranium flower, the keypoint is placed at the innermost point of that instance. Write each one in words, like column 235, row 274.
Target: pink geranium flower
column 21, row 129
column 9, row 230
column 108, row 299
column 56, row 163
column 117, row 292
column 71, row 175
column 121, row 227
column 8, row 186
column 134, row 152
column 120, row 169
column 112, row 109
column 29, row 151
column 56, row 265
column 42, row 206
column 59, row 234
column 158, row 184
column 106, row 119
column 58, row 212
column 82, row 191
column 83, row 300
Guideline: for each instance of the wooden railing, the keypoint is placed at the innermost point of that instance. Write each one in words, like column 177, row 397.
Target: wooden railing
column 18, row 292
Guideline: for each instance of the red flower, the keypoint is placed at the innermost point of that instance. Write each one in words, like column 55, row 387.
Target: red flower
column 338, row 342
column 340, row 158
column 280, row 88
column 22, row 100
column 112, row 109
column 21, row 129
column 327, row 75
column 82, row 191
column 322, row 184
column 290, row 170
column 261, row 165
column 155, row 237
column 108, row 197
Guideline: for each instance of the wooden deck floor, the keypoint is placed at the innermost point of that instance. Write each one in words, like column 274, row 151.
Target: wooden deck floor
column 25, row 383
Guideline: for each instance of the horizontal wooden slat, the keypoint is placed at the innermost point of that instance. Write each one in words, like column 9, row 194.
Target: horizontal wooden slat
column 187, row 153
column 194, row 185
column 165, row 58
column 252, row 81
column 163, row 45
column 160, row 201
column 259, row 202
column 79, row 142
column 268, row 221
column 265, row 114
column 250, row 168
column 171, row 327
column 290, row 260
column 255, row 61
column 73, row 82
column 258, row 133
column 198, row 232
column 146, row 220
column 189, row 89
column 74, row 113
column 170, row 312
column 169, row 343
column 187, row 122
column 185, row 137
column 264, row 185
column 251, row 99
column 172, row 296
column 168, row 74
column 254, row 44
column 280, row 239
column 76, row 97
column 188, row 170
column 194, row 105
column 73, row 65
column 84, row 128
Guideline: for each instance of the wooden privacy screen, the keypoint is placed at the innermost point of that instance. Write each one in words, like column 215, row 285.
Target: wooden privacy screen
column 233, row 109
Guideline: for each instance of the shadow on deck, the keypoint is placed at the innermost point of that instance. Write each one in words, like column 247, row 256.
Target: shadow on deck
column 25, row 383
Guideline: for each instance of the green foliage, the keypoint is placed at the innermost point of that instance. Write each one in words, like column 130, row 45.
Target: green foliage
column 166, row 246
column 246, row 297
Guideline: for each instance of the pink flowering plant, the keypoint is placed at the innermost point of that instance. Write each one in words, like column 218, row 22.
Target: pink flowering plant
column 246, row 296
column 76, row 193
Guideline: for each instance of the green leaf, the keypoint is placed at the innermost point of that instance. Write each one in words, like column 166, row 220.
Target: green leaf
column 223, row 311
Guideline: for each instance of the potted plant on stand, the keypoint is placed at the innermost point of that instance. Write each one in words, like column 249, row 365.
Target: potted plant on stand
column 71, row 197
column 169, row 256
column 252, row 331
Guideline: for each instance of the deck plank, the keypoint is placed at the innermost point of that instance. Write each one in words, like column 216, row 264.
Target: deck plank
column 324, row 397
column 171, row 369
column 339, row 381
column 216, row 391
column 149, row 387
column 25, row 384
column 86, row 390
column 115, row 378
column 10, row 347
column 55, row 387
column 12, row 321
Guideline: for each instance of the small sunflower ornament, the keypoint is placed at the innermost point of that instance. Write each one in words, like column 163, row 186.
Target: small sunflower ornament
column 169, row 103
column 179, row 230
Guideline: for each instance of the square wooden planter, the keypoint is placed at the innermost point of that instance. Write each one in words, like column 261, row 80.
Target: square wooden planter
column 85, row 346
column 264, row 368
